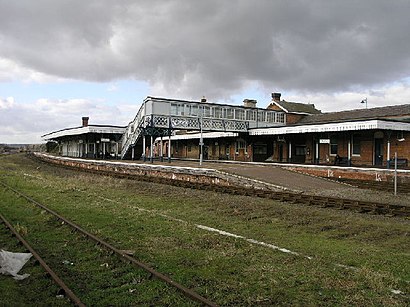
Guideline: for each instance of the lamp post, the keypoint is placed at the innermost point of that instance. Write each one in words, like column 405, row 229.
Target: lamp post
column 395, row 173
column 364, row 101
column 201, row 139
column 395, row 165
column 201, row 121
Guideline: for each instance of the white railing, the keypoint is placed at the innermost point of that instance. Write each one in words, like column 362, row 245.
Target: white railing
column 160, row 114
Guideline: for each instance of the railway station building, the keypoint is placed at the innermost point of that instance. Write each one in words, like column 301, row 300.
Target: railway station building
column 88, row 141
column 283, row 132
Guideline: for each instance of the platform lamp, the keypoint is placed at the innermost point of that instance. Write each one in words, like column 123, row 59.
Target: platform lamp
column 395, row 165
column 364, row 101
column 201, row 140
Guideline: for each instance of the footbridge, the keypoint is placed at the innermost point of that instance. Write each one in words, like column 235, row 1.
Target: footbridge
column 161, row 117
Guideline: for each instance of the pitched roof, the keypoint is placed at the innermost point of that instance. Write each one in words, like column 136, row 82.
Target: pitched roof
column 401, row 112
column 295, row 107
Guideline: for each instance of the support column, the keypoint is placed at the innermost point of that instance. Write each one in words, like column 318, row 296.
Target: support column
column 290, row 152
column 349, row 151
column 143, row 148
column 317, row 152
column 151, row 151
column 169, row 149
column 161, row 158
column 95, row 149
column 132, row 152
column 103, row 151
column 388, row 153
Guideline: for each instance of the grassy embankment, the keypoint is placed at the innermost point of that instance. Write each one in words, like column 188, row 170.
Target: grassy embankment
column 339, row 257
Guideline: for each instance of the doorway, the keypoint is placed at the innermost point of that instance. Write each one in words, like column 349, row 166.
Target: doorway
column 378, row 152
column 280, row 149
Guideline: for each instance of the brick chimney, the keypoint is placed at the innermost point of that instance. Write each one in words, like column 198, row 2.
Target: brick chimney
column 85, row 121
column 249, row 103
column 276, row 96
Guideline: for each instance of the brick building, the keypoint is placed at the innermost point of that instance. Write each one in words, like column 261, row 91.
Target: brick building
column 285, row 132
column 362, row 137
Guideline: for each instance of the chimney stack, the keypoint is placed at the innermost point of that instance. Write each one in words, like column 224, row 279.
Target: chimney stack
column 249, row 103
column 203, row 99
column 85, row 121
column 276, row 96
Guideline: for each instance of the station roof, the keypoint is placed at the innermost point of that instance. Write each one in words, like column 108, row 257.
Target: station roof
column 106, row 129
column 335, row 127
column 400, row 113
column 296, row 107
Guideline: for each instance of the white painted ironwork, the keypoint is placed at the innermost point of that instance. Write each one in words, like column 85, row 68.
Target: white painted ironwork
column 167, row 114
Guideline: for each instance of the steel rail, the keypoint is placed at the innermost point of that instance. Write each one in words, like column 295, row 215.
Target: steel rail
column 67, row 291
column 186, row 291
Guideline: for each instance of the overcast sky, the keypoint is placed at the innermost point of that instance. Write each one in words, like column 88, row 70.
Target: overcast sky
column 60, row 60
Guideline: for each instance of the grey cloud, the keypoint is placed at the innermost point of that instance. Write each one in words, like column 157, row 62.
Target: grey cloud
column 212, row 47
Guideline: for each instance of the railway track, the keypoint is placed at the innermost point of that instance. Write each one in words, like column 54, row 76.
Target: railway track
column 283, row 196
column 377, row 185
column 64, row 288
column 123, row 255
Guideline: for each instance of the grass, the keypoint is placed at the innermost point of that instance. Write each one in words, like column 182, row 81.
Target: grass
column 355, row 259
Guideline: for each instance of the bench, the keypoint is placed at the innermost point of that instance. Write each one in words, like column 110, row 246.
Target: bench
column 341, row 161
column 400, row 162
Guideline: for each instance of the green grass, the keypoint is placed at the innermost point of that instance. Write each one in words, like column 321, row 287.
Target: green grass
column 141, row 217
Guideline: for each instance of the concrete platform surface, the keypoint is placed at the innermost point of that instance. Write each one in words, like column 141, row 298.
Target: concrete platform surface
column 294, row 181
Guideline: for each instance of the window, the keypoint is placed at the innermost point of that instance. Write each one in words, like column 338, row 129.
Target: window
column 177, row 109
column 356, row 145
column 280, row 117
column 229, row 113
column 270, row 117
column 260, row 149
column 218, row 112
column 240, row 144
column 261, row 116
column 91, row 147
column 333, row 145
column 207, row 111
column 251, row 115
column 300, row 150
column 191, row 110
column 239, row 114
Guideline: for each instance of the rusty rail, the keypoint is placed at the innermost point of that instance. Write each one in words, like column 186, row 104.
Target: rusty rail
column 186, row 291
column 67, row 291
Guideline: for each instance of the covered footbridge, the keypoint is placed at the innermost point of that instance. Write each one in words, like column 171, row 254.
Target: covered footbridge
column 162, row 118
